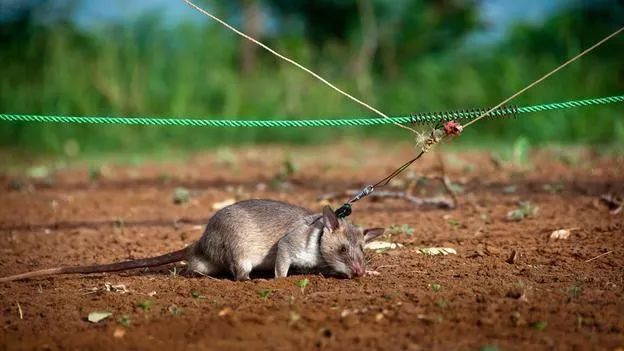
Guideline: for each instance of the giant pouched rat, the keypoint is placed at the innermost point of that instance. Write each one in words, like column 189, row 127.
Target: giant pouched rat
column 258, row 235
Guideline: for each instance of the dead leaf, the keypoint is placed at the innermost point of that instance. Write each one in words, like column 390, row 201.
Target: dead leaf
column 381, row 246
column 434, row 251
column 95, row 317
column 108, row 287
column 119, row 288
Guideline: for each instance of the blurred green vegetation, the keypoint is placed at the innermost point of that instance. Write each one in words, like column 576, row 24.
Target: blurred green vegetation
column 400, row 56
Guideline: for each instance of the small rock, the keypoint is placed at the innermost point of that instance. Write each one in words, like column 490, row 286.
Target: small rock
column 613, row 202
column 224, row 312
column 119, row 333
column 560, row 234
column 293, row 318
column 514, row 294
column 425, row 318
column 513, row 258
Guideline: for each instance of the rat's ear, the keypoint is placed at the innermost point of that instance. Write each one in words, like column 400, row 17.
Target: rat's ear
column 330, row 219
column 372, row 233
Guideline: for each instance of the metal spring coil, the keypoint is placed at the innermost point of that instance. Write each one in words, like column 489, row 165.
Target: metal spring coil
column 458, row 115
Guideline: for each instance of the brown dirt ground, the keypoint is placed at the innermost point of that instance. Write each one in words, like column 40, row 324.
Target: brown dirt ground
column 551, row 297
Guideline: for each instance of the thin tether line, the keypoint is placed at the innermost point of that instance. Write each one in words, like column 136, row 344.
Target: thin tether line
column 326, row 82
column 546, row 76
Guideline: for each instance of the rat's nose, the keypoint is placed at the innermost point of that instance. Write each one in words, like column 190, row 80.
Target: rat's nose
column 357, row 269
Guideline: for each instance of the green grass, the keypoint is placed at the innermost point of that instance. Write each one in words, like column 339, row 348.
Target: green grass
column 143, row 69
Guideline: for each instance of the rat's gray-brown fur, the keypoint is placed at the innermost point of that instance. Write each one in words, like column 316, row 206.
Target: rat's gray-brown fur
column 259, row 235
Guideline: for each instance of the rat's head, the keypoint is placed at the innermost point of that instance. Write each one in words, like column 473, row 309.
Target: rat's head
column 342, row 244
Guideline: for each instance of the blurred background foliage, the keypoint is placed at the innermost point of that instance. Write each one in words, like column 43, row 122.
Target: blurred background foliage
column 401, row 56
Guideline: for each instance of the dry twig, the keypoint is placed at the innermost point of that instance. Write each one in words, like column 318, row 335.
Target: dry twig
column 19, row 309
column 597, row 257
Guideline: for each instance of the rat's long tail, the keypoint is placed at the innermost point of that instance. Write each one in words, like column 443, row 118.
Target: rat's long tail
column 171, row 257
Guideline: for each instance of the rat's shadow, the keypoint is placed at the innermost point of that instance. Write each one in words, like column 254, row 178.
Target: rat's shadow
column 182, row 271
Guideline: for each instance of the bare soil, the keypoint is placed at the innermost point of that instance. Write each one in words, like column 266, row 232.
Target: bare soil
column 556, row 294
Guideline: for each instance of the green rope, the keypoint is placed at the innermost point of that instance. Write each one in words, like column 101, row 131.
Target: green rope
column 418, row 118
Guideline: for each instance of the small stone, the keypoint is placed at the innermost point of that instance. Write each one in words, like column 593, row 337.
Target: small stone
column 513, row 258
column 293, row 318
column 224, row 312
column 560, row 234
column 425, row 318
column 119, row 333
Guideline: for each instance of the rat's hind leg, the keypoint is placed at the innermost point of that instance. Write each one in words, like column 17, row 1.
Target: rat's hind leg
column 201, row 266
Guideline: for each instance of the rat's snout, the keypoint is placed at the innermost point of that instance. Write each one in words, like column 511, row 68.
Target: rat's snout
column 357, row 269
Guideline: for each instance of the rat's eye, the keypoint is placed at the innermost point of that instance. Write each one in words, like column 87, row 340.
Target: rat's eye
column 343, row 249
